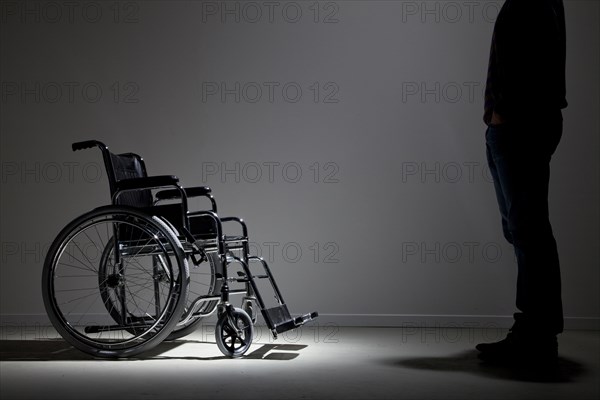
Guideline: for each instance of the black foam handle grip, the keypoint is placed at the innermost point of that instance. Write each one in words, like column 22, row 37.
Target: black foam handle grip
column 85, row 145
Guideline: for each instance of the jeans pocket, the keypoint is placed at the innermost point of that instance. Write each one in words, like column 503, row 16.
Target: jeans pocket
column 498, row 136
column 491, row 133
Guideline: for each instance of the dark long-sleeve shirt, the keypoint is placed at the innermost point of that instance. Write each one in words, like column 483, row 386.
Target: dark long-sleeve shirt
column 526, row 72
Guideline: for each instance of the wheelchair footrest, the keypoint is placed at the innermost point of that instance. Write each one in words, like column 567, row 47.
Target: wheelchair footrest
column 279, row 318
column 301, row 320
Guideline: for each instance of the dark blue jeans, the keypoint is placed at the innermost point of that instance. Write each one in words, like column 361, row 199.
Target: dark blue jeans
column 518, row 155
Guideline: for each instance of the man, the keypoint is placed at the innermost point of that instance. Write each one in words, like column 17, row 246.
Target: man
column 524, row 95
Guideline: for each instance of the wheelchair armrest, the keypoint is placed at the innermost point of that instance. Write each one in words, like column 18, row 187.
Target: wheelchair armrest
column 170, row 194
column 147, row 182
column 239, row 221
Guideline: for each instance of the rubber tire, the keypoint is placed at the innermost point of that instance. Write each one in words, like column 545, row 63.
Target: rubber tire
column 55, row 315
column 238, row 315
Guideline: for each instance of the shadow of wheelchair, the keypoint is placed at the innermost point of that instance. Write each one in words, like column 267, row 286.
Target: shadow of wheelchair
column 60, row 350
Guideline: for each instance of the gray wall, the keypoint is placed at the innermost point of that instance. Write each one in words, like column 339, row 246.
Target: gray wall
column 355, row 132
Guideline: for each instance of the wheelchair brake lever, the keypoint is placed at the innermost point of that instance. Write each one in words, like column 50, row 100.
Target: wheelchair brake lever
column 198, row 250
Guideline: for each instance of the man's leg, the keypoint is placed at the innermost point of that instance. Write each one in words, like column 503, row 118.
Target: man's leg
column 538, row 281
column 520, row 169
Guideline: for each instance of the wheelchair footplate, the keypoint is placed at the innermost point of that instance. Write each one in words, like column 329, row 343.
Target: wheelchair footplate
column 279, row 319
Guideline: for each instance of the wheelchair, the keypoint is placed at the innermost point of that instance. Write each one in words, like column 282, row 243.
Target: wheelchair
column 124, row 277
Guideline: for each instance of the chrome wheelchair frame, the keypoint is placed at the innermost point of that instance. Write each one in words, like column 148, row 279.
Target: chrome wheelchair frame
column 117, row 281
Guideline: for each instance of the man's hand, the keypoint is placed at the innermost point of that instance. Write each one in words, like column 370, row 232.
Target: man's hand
column 497, row 119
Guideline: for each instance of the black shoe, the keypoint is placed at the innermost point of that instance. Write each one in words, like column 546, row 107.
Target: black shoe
column 521, row 348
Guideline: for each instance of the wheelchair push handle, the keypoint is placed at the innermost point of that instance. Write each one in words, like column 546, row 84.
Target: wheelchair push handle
column 87, row 144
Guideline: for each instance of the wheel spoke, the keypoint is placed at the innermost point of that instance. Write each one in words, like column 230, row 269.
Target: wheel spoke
column 107, row 301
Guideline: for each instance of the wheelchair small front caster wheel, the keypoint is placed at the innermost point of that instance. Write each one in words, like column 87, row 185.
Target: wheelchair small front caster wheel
column 234, row 332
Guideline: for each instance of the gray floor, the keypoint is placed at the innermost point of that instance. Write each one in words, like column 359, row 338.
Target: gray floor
column 315, row 362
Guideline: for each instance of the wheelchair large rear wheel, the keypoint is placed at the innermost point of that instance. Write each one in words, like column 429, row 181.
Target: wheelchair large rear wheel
column 121, row 302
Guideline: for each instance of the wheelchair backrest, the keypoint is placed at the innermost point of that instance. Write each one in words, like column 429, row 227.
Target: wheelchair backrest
column 119, row 167
column 132, row 166
column 128, row 166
